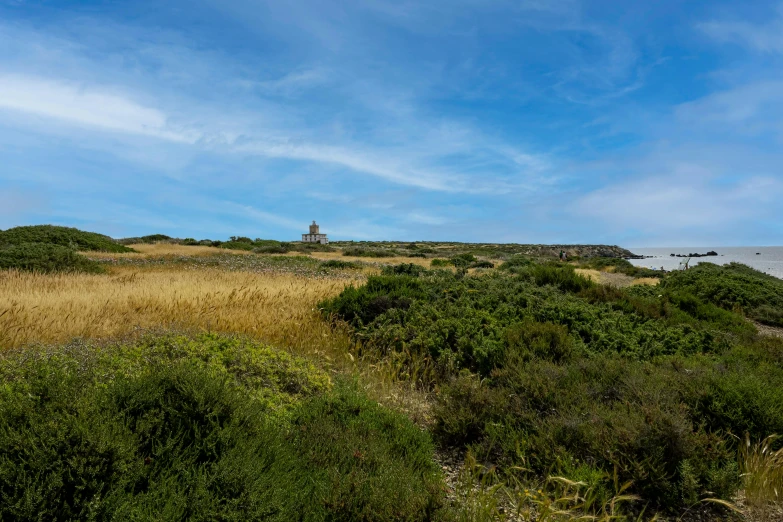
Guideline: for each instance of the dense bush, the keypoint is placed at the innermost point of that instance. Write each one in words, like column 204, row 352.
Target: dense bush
column 462, row 260
column 370, row 252
column 307, row 248
column 208, row 429
column 272, row 247
column 236, row 245
column 438, row 262
column 541, row 369
column 341, row 265
column 153, row 238
column 515, row 263
column 410, row 269
column 482, row 264
column 72, row 238
column 733, row 287
column 44, row 257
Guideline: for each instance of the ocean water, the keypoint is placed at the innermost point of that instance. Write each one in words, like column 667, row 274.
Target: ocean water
column 765, row 259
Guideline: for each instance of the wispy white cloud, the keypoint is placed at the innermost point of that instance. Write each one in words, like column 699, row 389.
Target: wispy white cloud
column 425, row 218
column 684, row 199
column 259, row 215
column 86, row 106
column 765, row 36
column 407, row 148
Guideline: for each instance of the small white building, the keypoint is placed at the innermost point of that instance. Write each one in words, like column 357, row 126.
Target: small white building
column 315, row 236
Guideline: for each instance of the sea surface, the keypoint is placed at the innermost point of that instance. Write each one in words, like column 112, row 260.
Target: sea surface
column 765, row 259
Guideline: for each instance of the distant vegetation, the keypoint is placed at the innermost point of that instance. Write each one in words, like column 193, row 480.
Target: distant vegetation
column 206, row 428
column 72, row 238
column 371, row 252
column 486, row 250
column 543, row 370
column 340, row 264
column 43, row 257
column 47, row 248
column 259, row 246
column 148, row 240
column 733, row 287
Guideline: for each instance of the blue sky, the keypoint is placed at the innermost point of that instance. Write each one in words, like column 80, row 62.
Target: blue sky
column 631, row 123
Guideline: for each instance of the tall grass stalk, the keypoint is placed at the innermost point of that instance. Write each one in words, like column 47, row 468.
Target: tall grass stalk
column 762, row 471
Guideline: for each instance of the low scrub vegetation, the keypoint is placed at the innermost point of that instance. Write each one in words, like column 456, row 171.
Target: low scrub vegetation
column 207, row 428
column 72, row 238
column 566, row 398
column 45, row 258
column 151, row 240
column 341, row 265
column 546, row 373
column 733, row 287
column 372, row 252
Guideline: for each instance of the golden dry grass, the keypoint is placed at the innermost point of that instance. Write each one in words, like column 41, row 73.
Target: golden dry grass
column 279, row 309
column 589, row 273
column 276, row 308
column 650, row 281
column 144, row 251
column 614, row 278
column 372, row 260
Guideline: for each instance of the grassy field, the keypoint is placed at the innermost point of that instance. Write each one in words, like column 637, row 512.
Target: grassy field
column 276, row 308
column 533, row 390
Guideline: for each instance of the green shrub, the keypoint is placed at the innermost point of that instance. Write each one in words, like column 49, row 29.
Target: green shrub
column 234, row 245
column 310, row 247
column 279, row 248
column 176, row 428
column 189, row 241
column 72, row 238
column 410, row 269
column 440, row 262
column 462, row 260
column 532, row 340
column 44, row 257
column 732, row 287
column 370, row 252
column 341, row 265
column 154, row 238
column 611, row 414
column 372, row 464
column 481, row 264
column 362, row 305
column 516, row 262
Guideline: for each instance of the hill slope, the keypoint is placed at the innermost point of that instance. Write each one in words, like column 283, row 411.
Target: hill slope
column 63, row 236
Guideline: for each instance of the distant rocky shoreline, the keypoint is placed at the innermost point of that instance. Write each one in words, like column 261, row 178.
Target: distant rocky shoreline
column 711, row 253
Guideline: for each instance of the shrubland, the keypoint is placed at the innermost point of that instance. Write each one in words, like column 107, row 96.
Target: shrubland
column 566, row 399
column 543, row 372
column 72, row 238
column 45, row 258
column 733, row 287
column 207, row 428
column 372, row 252
column 48, row 248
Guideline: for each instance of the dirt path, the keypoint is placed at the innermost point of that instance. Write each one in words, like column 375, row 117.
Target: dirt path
column 773, row 331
